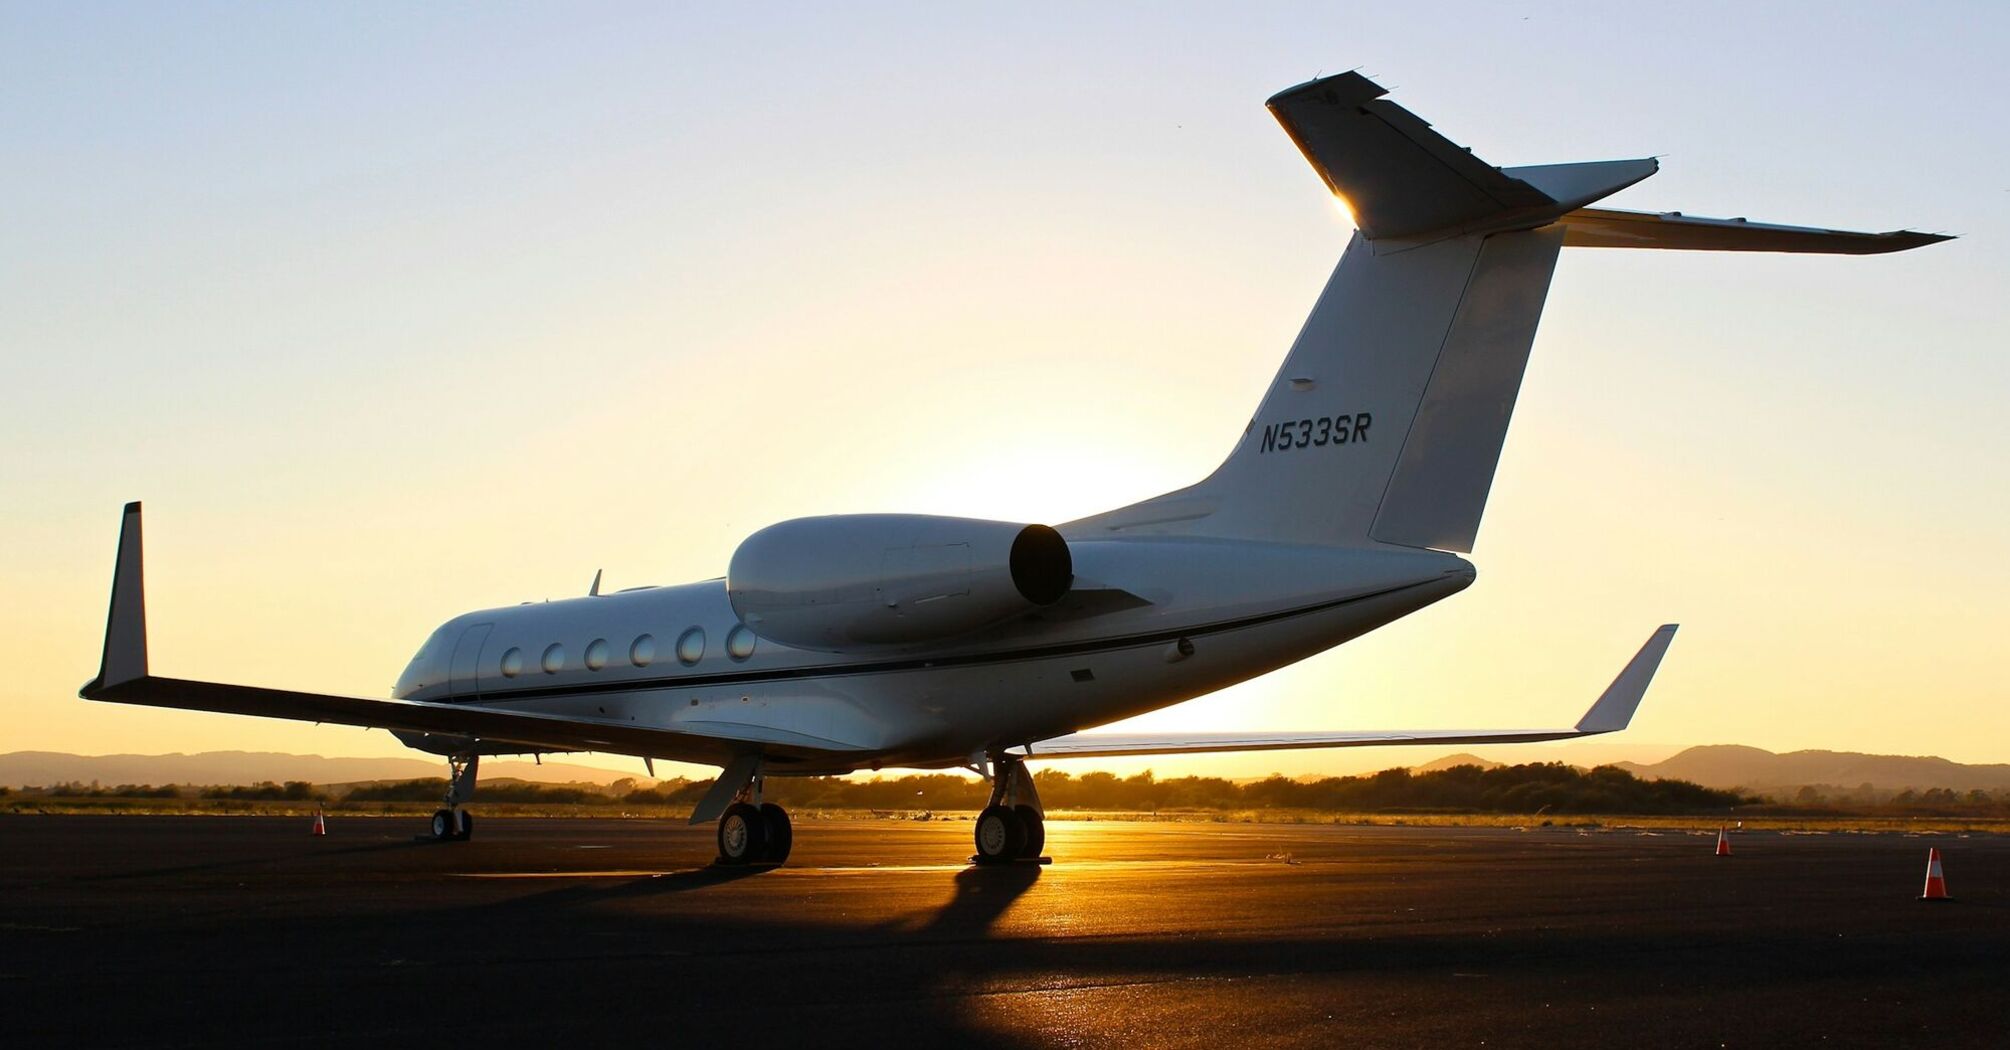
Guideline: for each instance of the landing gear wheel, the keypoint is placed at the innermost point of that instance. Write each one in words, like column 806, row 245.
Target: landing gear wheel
column 467, row 826
column 743, row 835
column 1001, row 835
column 443, row 825
column 780, row 835
column 1036, row 831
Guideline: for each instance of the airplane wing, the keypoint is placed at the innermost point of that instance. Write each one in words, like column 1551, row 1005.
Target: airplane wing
column 123, row 678
column 1613, row 711
column 1610, row 228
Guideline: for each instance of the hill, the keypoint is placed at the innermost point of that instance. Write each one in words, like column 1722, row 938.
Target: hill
column 23, row 768
column 1755, row 769
column 1454, row 761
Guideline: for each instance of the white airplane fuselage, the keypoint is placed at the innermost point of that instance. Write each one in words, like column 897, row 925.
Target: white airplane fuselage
column 1109, row 650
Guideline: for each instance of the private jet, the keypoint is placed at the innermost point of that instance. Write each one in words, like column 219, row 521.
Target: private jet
column 866, row 641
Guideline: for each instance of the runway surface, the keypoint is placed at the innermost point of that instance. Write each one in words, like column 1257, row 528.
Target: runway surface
column 207, row 931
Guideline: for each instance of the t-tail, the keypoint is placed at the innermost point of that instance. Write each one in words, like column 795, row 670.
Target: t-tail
column 1386, row 422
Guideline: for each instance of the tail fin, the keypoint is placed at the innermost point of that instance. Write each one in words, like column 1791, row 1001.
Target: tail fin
column 1386, row 422
column 1387, row 419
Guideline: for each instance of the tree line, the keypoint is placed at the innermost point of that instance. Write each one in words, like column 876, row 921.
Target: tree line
column 1545, row 787
column 1532, row 788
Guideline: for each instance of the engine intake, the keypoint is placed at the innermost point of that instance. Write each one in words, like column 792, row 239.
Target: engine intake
column 863, row 580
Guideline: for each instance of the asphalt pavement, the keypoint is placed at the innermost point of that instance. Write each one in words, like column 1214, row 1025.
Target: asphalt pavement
column 242, row 931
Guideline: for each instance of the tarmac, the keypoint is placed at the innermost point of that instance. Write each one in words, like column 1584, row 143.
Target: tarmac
column 244, row 931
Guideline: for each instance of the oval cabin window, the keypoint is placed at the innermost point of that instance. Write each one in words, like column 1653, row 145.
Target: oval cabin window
column 643, row 652
column 691, row 646
column 740, row 642
column 596, row 654
column 554, row 658
column 512, row 663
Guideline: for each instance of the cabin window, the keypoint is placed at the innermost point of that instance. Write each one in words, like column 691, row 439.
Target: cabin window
column 643, row 652
column 691, row 646
column 596, row 654
column 740, row 642
column 512, row 663
column 554, row 658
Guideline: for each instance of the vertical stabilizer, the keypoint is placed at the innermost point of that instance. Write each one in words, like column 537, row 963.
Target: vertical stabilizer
column 1387, row 420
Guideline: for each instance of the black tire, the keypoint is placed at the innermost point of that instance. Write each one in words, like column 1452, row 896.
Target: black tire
column 443, row 825
column 467, row 830
column 1036, row 830
column 1000, row 836
column 742, row 834
column 780, row 835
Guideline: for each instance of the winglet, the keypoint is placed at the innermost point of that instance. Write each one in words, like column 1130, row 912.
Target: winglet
column 1616, row 705
column 125, row 657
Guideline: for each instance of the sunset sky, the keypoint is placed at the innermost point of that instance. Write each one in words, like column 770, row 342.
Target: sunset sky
column 391, row 312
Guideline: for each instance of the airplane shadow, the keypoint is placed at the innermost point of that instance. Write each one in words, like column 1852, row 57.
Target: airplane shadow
column 245, row 863
column 982, row 895
column 638, row 887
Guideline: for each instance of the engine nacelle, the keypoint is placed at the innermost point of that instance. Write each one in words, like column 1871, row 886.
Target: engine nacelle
column 859, row 580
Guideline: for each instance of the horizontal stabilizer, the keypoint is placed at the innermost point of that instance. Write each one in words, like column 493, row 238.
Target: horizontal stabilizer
column 1613, row 712
column 1606, row 228
column 1404, row 181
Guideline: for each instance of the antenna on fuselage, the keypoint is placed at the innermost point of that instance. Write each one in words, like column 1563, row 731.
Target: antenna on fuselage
column 594, row 591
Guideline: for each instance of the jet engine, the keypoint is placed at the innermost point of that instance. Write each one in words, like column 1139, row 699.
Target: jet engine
column 861, row 580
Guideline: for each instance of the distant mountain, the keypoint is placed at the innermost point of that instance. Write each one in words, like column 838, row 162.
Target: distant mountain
column 22, row 768
column 1450, row 761
column 1732, row 766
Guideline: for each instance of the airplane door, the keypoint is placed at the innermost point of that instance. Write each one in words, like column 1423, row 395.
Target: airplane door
column 468, row 659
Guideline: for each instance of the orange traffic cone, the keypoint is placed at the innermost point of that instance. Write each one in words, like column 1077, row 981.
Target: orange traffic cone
column 1723, row 843
column 320, row 825
column 1936, row 884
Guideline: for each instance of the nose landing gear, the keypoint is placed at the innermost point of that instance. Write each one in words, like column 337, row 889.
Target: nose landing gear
column 1012, row 827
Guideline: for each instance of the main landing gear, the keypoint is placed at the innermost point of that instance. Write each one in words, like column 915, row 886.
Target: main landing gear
column 1012, row 826
column 453, row 824
column 752, row 831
